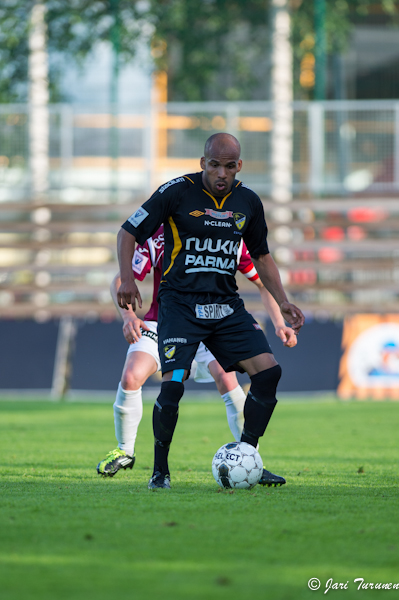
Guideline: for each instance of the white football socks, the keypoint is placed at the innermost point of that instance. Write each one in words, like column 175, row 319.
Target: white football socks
column 128, row 410
column 234, row 401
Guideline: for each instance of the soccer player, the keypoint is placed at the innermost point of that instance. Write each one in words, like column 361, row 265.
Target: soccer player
column 205, row 216
column 142, row 359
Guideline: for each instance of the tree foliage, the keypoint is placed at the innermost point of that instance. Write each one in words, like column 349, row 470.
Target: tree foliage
column 73, row 29
column 341, row 15
column 215, row 49
column 212, row 49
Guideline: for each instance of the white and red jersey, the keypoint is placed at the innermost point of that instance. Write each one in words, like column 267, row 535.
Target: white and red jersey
column 151, row 256
column 145, row 258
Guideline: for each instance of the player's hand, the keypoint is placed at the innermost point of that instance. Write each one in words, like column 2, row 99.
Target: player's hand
column 127, row 294
column 292, row 315
column 287, row 336
column 132, row 329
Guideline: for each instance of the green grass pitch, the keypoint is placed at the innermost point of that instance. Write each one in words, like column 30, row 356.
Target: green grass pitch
column 68, row 534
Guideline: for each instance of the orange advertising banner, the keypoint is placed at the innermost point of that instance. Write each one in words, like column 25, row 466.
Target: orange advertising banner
column 369, row 367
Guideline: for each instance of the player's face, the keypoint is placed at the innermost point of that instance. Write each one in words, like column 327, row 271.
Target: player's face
column 219, row 171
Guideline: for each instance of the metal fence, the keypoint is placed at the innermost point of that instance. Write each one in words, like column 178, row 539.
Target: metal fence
column 339, row 147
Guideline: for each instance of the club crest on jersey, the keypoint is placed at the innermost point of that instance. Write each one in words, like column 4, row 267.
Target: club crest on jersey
column 239, row 220
column 169, row 351
column 196, row 213
column 218, row 215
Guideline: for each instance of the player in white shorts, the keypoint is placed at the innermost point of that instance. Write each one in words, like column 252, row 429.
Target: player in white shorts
column 200, row 368
column 142, row 358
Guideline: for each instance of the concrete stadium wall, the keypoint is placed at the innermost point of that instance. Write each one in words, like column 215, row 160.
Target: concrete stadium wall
column 27, row 351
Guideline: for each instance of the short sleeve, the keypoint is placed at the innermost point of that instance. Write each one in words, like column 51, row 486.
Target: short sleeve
column 148, row 218
column 255, row 236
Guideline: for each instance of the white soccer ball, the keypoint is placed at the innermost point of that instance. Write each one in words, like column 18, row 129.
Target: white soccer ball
column 237, row 465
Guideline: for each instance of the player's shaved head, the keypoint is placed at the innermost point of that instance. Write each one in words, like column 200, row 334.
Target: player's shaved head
column 221, row 163
column 220, row 143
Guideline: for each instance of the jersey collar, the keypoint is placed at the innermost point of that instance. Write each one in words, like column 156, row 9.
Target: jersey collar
column 219, row 205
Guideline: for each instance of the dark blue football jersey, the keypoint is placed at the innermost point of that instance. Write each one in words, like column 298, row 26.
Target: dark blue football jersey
column 202, row 233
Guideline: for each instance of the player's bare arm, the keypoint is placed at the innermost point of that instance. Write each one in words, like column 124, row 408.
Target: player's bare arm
column 128, row 291
column 270, row 277
column 132, row 324
column 284, row 332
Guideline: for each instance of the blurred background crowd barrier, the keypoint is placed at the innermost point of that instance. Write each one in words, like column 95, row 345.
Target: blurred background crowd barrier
column 334, row 237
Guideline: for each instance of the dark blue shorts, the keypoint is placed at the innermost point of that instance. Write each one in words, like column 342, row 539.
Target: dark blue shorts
column 222, row 323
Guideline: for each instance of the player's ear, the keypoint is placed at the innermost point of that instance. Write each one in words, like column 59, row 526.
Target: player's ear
column 239, row 165
column 202, row 162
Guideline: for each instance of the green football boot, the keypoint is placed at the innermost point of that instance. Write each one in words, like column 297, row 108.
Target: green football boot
column 115, row 460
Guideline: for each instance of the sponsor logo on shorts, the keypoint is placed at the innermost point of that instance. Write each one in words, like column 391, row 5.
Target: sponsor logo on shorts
column 175, row 341
column 150, row 334
column 196, row 213
column 138, row 217
column 212, row 311
column 257, row 326
column 171, row 182
column 169, row 351
column 218, row 215
column 239, row 220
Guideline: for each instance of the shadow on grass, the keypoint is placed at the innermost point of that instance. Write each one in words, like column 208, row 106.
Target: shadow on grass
column 41, row 483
